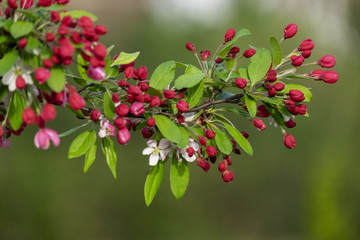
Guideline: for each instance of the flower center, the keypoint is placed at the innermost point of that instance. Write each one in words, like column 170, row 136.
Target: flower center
column 156, row 150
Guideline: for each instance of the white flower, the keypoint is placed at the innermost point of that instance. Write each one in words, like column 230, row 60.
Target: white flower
column 157, row 152
column 185, row 154
column 106, row 129
column 19, row 69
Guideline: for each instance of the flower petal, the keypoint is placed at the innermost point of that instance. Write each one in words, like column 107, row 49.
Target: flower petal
column 162, row 154
column 152, row 143
column 153, row 160
column 164, row 143
column 147, row 151
column 54, row 137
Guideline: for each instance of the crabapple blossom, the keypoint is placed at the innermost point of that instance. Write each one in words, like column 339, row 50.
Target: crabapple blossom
column 44, row 136
column 157, row 152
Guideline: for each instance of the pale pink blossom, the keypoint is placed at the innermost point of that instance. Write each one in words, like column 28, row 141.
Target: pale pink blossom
column 106, row 129
column 157, row 152
column 185, row 154
column 44, row 136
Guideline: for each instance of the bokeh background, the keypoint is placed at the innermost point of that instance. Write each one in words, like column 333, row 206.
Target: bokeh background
column 310, row 192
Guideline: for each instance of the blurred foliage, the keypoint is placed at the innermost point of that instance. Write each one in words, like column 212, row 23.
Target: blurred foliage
column 310, row 192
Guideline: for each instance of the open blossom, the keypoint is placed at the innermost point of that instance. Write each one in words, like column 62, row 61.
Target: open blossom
column 185, row 154
column 157, row 152
column 18, row 72
column 44, row 136
column 106, row 129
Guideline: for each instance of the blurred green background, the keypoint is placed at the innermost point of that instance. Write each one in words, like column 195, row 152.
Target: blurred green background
column 310, row 192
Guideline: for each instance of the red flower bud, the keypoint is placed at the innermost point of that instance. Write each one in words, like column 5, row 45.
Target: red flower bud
column 290, row 30
column 259, row 124
column 151, row 122
column 262, row 112
column 55, row 16
column 182, row 106
column 204, row 164
column 63, row 30
column 155, row 101
column 229, row 35
column 122, row 110
column 96, row 73
column 42, row 75
column 306, row 45
column 219, row 60
column 25, row 4
column 209, row 134
column 48, row 63
column 122, row 83
column 227, row 176
column 76, row 38
column 85, row 22
column 134, row 90
column 141, row 73
column 329, row 76
column 306, row 54
column 115, row 98
column 271, row 91
column 189, row 46
column 95, row 115
column 144, row 87
column 297, row 60
column 45, row 3
column 137, row 109
column 123, row 136
column 290, row 123
column 100, row 51
column 190, row 151
column 204, row 55
column 75, row 101
column 49, row 37
column 241, row 82
column 130, row 72
column 211, row 151
column 289, row 141
column 202, row 141
column 147, row 132
column 120, row 122
column 48, row 112
column 22, row 43
column 180, row 118
column 40, row 122
column 316, row 73
column 20, row 82
column 62, row 1
column 100, row 30
column 279, row 86
column 223, row 166
column 245, row 134
column 249, row 53
column 296, row 95
column 228, row 159
column 234, row 50
column 28, row 116
column 302, row 109
column 66, row 21
column 169, row 94
column 327, row 61
column 271, row 76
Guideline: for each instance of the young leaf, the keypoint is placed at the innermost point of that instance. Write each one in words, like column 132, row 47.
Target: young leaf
column 228, row 45
column 188, row 80
column 81, row 69
column 275, row 114
column 168, row 128
column 79, row 14
column 3, row 91
column 179, row 177
column 125, row 58
column 90, row 155
column 163, row 75
column 8, row 61
column 184, row 138
column 243, row 71
column 57, row 79
column 275, row 51
column 109, row 106
column 192, row 69
column 109, row 151
column 21, row 28
column 259, row 65
column 16, row 107
column 239, row 138
column 153, row 182
column 223, row 142
column 251, row 105
column 81, row 144
column 32, row 43
column 195, row 94
column 307, row 93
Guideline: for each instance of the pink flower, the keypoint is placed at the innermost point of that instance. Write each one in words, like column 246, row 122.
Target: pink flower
column 96, row 73
column 44, row 136
column 123, row 136
column 137, row 109
column 106, row 129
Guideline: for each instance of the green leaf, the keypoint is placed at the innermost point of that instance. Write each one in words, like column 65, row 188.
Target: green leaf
column 90, row 155
column 239, row 112
column 6, row 39
column 239, row 138
column 67, row 133
column 259, row 65
column 81, row 144
column 108, row 148
column 273, row 100
column 21, row 28
column 57, row 79
column 125, row 58
column 31, row 16
column 181, row 65
column 78, row 113
column 8, row 61
column 179, row 177
column 251, row 105
column 168, row 129
column 224, row 95
column 307, row 93
column 188, row 80
column 16, row 107
column 228, row 45
column 53, row 7
column 275, row 114
column 79, row 14
column 4, row 89
column 195, row 94
column 109, row 106
column 192, row 69
column 275, row 51
column 154, row 92
column 153, row 182
column 163, row 75
column 184, row 138
column 7, row 24
column 32, row 43
column 81, row 69
column 223, row 142
column 243, row 71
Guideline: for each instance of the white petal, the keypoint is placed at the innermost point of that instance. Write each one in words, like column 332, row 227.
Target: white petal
column 162, row 154
column 153, row 160
column 178, row 155
column 194, row 145
column 102, row 133
column 27, row 79
column 190, row 159
column 12, row 86
column 8, row 77
column 147, row 151
column 164, row 143
column 152, row 143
